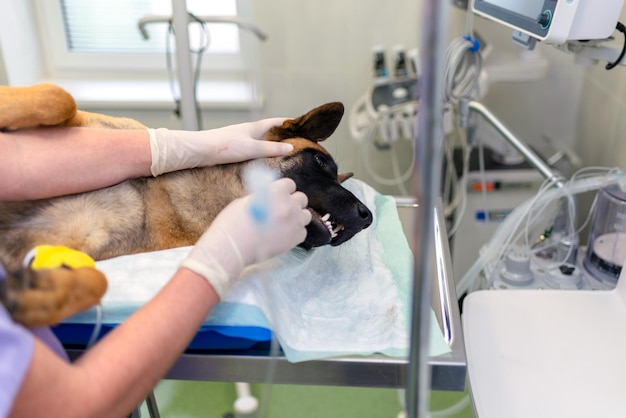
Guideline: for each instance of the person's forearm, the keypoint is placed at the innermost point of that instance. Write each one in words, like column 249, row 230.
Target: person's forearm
column 153, row 339
column 84, row 159
column 115, row 375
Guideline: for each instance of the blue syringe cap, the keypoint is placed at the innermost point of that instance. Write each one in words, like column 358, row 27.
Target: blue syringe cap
column 257, row 179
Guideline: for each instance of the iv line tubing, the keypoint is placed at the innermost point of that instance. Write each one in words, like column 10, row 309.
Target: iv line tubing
column 428, row 149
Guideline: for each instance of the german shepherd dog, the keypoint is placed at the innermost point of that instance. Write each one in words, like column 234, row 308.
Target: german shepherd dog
column 174, row 209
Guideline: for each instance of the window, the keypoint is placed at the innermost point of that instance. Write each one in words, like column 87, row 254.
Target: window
column 103, row 36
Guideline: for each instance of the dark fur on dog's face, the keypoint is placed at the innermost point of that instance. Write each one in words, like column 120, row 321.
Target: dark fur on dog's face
column 337, row 214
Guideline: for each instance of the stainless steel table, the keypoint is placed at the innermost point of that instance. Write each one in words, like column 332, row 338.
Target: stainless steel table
column 448, row 370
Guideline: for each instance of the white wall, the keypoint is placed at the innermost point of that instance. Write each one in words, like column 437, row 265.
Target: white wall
column 17, row 40
column 316, row 52
column 535, row 110
column 580, row 106
column 321, row 51
column 601, row 134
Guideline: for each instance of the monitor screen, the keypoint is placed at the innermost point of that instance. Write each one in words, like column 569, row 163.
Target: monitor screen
column 527, row 8
column 532, row 16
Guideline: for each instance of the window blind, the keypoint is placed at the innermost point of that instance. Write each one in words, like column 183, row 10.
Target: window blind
column 112, row 26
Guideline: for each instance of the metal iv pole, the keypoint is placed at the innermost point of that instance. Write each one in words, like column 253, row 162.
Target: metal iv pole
column 428, row 152
column 188, row 106
column 180, row 22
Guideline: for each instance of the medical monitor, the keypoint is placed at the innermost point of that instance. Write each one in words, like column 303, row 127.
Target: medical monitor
column 554, row 21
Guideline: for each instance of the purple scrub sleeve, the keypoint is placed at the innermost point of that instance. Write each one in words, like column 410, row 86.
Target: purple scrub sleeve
column 16, row 350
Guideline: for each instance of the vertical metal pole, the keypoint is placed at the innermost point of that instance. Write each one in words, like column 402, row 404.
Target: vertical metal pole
column 153, row 408
column 428, row 151
column 188, row 104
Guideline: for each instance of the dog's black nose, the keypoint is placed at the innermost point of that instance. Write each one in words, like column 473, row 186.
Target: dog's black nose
column 365, row 214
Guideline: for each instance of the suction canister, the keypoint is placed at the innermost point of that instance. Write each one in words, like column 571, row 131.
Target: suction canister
column 606, row 249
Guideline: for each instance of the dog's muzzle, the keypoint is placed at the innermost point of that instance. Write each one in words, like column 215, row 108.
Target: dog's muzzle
column 335, row 230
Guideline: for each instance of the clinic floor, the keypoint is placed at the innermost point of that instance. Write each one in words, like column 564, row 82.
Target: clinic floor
column 178, row 399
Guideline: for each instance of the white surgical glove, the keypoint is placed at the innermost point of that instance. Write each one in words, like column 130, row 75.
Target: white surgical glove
column 176, row 150
column 234, row 240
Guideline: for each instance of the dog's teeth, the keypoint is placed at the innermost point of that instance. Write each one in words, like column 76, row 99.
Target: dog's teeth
column 337, row 229
column 326, row 217
column 333, row 235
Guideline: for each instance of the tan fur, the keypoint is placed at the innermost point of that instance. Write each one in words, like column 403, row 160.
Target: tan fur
column 39, row 105
column 96, row 120
column 134, row 216
column 137, row 215
column 59, row 294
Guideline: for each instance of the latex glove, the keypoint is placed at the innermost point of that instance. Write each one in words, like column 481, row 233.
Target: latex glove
column 234, row 241
column 176, row 150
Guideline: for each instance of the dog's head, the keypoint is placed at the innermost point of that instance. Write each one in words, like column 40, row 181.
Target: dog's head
column 337, row 214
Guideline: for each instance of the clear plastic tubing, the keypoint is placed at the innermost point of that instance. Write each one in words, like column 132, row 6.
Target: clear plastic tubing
column 507, row 227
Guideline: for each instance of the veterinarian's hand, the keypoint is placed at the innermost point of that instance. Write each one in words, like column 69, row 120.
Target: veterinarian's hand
column 176, row 150
column 234, row 240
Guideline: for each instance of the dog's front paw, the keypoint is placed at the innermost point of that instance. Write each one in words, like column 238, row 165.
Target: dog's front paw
column 56, row 283
column 55, row 294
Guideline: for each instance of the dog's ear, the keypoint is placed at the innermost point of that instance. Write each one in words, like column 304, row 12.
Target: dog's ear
column 344, row 176
column 316, row 125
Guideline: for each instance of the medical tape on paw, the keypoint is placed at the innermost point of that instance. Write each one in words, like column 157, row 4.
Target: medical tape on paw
column 213, row 272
